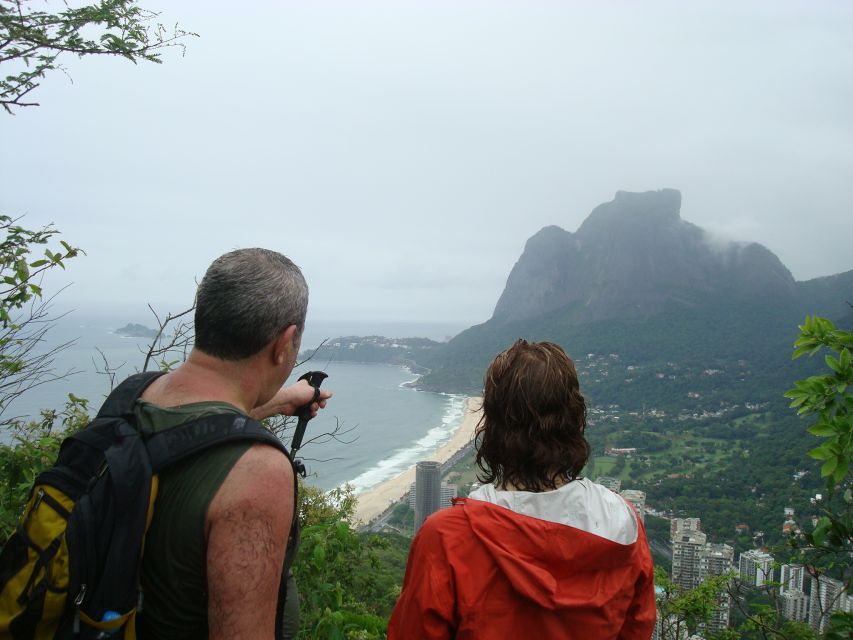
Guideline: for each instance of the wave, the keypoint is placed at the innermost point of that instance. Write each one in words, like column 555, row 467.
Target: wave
column 418, row 450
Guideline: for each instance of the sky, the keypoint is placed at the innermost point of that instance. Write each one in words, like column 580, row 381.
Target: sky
column 402, row 152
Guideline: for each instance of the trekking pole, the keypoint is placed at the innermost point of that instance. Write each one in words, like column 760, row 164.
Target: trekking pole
column 315, row 379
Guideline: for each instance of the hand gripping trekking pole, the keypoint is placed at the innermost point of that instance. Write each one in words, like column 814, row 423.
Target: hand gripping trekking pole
column 315, row 379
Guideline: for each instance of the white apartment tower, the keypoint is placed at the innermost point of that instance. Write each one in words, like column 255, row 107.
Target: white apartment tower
column 687, row 550
column 638, row 499
column 756, row 567
column 795, row 605
column 717, row 559
column 827, row 595
column 792, row 578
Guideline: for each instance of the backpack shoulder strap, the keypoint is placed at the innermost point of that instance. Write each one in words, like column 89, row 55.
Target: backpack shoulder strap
column 176, row 443
column 121, row 400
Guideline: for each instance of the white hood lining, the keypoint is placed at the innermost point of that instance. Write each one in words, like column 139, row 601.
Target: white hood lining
column 581, row 504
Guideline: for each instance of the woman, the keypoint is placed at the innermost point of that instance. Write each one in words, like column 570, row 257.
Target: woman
column 536, row 551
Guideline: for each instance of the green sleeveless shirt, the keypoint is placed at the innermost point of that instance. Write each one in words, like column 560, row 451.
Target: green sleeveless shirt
column 174, row 561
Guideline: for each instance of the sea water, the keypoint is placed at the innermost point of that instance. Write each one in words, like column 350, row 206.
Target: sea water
column 379, row 425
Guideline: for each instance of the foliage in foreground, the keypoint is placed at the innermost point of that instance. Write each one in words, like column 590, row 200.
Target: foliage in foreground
column 33, row 448
column 348, row 582
column 33, row 39
column 827, row 399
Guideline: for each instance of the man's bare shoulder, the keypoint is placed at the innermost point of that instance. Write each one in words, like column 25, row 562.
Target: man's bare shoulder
column 248, row 523
column 263, row 472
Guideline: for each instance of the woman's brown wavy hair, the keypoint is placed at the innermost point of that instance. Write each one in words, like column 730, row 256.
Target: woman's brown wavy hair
column 531, row 435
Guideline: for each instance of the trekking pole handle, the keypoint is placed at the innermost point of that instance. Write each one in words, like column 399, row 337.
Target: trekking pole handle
column 315, row 379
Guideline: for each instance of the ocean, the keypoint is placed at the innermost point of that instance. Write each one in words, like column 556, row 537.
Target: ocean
column 383, row 426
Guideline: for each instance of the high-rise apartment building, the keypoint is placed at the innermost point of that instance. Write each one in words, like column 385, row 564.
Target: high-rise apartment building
column 715, row 560
column 638, row 499
column 827, row 595
column 448, row 492
column 680, row 526
column 756, row 567
column 792, row 578
column 794, row 604
column 427, row 491
column 694, row 559
column 687, row 552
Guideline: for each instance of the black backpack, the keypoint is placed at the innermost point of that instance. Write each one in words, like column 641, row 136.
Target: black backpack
column 71, row 568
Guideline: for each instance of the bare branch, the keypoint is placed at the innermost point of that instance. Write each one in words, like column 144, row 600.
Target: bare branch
column 106, row 369
column 178, row 343
column 313, row 353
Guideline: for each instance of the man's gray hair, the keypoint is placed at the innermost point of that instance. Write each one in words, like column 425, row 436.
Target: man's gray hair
column 246, row 298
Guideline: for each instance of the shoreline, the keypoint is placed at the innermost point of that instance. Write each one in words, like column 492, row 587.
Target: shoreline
column 376, row 500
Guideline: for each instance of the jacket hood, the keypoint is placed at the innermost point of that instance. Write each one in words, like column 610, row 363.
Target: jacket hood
column 558, row 548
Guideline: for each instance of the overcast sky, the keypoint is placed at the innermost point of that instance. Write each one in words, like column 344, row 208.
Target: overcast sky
column 403, row 152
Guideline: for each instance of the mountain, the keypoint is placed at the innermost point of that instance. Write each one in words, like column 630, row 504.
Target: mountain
column 630, row 258
column 639, row 282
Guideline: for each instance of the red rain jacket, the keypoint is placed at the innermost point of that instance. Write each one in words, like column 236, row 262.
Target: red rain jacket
column 478, row 570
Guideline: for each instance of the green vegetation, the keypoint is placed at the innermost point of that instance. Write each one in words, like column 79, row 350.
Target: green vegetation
column 348, row 582
column 828, row 400
column 34, row 40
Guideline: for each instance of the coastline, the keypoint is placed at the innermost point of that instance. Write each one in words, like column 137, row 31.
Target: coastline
column 376, row 500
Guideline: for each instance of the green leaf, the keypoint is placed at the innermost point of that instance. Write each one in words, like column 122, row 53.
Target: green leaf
column 820, row 530
column 840, row 471
column 822, row 429
column 821, row 453
column 828, row 467
column 833, row 364
column 319, row 555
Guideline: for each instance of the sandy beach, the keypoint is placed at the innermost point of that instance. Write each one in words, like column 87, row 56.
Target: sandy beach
column 375, row 500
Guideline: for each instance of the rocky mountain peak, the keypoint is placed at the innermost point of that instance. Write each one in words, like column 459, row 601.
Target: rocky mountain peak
column 631, row 257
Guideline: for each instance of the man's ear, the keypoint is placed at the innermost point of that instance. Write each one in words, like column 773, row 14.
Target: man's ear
column 284, row 346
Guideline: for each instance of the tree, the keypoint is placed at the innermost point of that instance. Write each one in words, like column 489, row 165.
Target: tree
column 32, row 40
column 24, row 318
column 337, row 571
column 680, row 612
column 828, row 400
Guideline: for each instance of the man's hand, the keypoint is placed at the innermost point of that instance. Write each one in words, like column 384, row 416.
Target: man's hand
column 289, row 399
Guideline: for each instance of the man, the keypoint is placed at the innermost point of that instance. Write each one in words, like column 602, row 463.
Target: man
column 214, row 552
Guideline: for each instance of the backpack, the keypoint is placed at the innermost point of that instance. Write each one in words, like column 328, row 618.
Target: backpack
column 71, row 568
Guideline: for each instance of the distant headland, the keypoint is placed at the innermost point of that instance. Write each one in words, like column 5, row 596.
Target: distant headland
column 131, row 330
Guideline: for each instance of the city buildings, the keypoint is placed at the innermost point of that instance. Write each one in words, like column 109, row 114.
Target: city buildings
column 427, row 491
column 614, row 484
column 827, row 595
column 679, row 526
column 791, row 578
column 794, row 604
column 687, row 551
column 694, row 559
column 448, row 492
column 716, row 560
column 756, row 567
column 638, row 499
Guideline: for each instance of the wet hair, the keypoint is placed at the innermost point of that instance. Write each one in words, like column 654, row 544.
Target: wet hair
column 246, row 298
column 531, row 434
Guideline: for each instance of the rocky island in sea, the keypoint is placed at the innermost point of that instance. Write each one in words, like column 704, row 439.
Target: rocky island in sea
column 132, row 330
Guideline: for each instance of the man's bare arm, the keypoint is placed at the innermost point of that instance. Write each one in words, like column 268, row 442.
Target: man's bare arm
column 248, row 522
column 289, row 399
